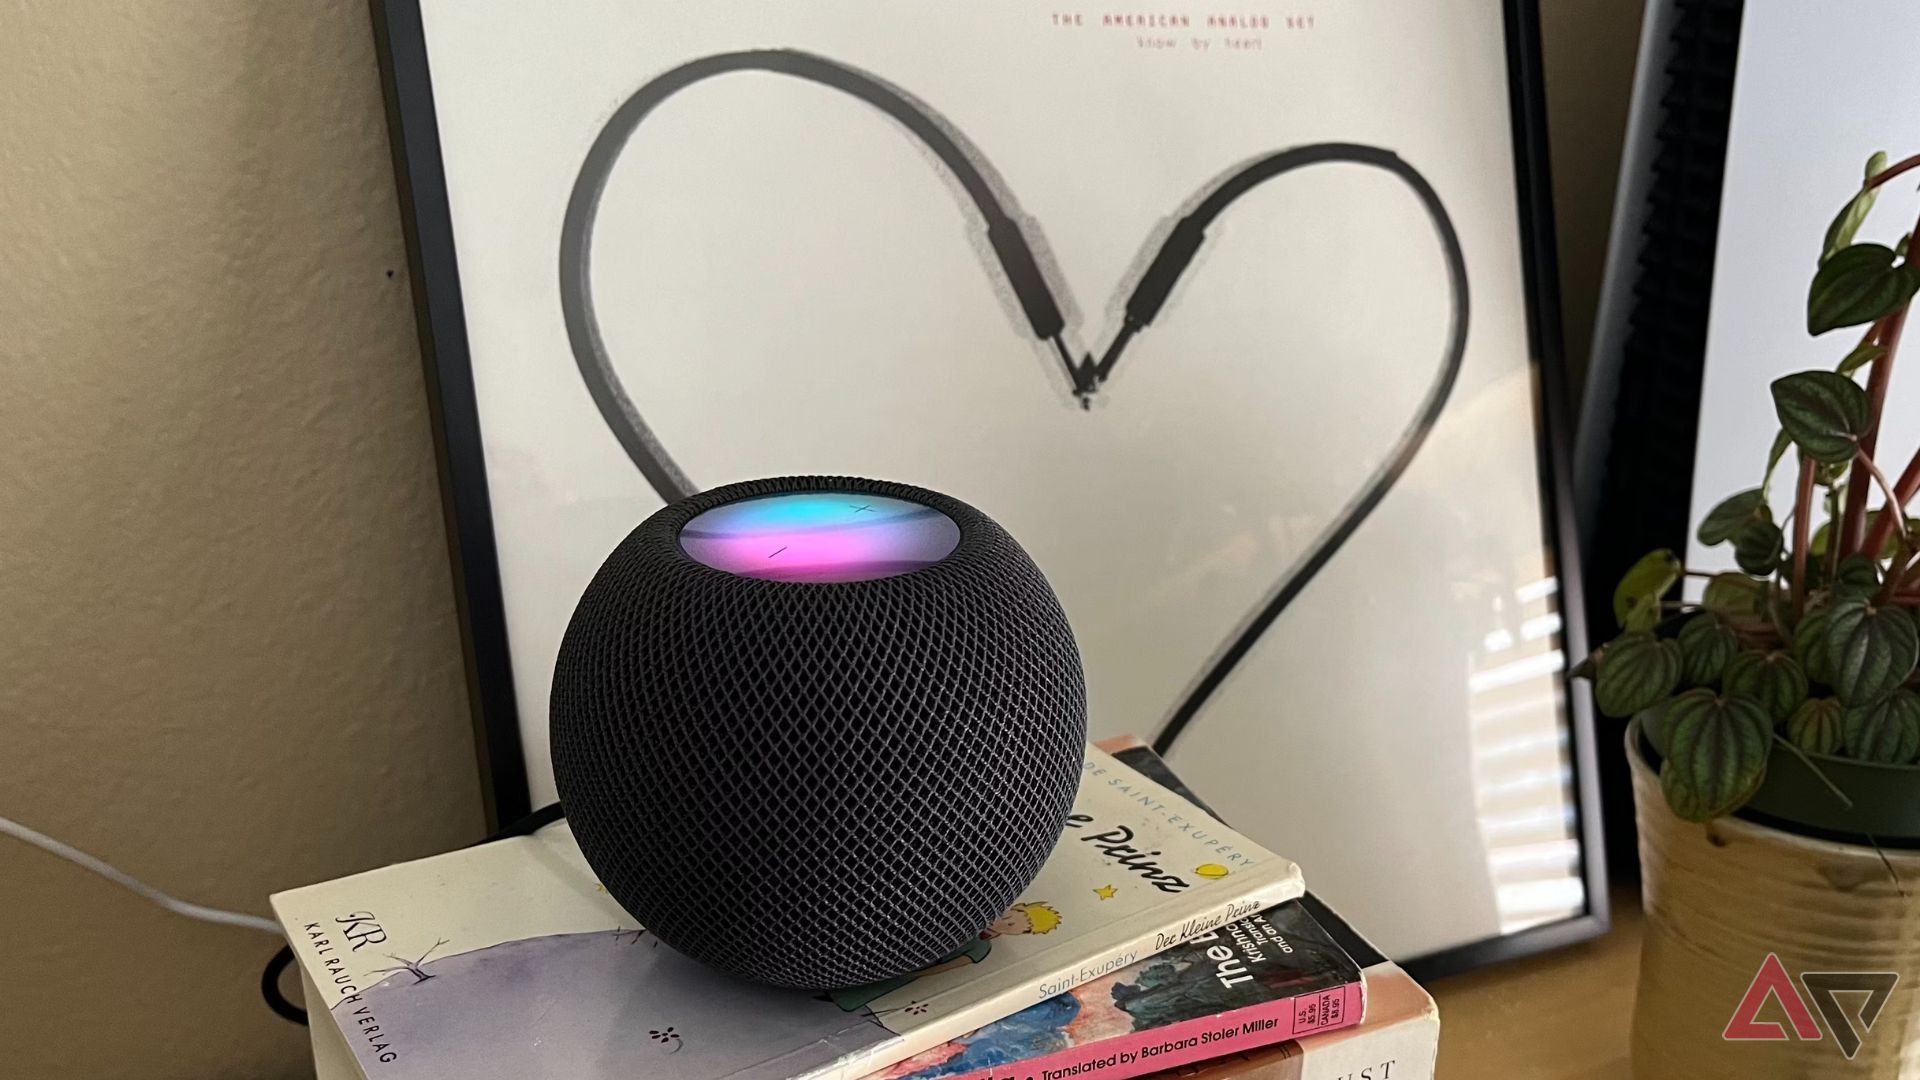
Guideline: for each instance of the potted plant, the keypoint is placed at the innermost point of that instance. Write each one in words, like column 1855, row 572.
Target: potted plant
column 1775, row 722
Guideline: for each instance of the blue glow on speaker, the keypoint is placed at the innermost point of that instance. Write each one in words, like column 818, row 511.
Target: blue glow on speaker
column 820, row 536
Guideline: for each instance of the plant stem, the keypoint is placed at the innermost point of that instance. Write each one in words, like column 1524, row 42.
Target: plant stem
column 1908, row 486
column 1833, row 542
column 1808, row 762
column 1894, row 505
column 1902, row 563
column 1802, row 531
column 1896, row 573
column 1854, row 524
column 1877, row 386
column 1891, row 171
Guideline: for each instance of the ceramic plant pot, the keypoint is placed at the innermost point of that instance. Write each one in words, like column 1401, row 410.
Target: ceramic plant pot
column 1721, row 897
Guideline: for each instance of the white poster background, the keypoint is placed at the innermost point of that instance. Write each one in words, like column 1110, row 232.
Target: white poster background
column 789, row 283
column 1818, row 90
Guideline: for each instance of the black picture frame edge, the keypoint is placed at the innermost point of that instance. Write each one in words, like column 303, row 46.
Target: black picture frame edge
column 414, row 138
column 1648, row 363
column 1533, row 181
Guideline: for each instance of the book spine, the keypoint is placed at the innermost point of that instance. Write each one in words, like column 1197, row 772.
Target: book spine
column 1200, row 1039
column 1148, row 941
column 1399, row 1039
column 1403, row 1051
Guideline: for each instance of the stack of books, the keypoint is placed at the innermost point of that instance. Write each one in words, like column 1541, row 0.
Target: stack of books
column 1156, row 942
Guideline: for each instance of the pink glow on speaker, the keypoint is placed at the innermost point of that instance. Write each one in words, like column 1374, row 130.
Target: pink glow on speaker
column 820, row 536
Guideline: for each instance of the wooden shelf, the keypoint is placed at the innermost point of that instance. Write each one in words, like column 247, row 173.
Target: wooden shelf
column 1561, row 1016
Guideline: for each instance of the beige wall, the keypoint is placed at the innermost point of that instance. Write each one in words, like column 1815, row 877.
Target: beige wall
column 228, row 654
column 229, row 661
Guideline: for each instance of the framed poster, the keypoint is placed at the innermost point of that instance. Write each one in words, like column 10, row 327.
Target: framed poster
column 1240, row 317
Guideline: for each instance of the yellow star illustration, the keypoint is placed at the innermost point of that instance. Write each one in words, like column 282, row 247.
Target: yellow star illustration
column 1105, row 893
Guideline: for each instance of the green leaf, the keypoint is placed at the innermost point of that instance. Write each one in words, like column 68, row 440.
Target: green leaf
column 1734, row 511
column 1716, row 754
column 1810, row 646
column 1876, row 164
column 1706, row 644
column 1773, row 679
column 1757, row 546
column 1860, row 357
column 1815, row 726
column 1779, row 450
column 1738, row 598
column 1887, row 731
column 1871, row 649
column 1857, row 285
column 1824, row 535
column 1636, row 670
column 1636, row 600
column 1852, row 215
column 1653, row 724
column 1857, row 572
column 1824, row 414
column 1817, row 547
column 1816, row 573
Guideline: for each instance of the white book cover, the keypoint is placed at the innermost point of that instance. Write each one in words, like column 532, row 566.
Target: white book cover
column 509, row 961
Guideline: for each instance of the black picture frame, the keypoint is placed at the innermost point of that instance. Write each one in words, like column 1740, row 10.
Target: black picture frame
column 424, row 205
column 1640, row 412
column 414, row 137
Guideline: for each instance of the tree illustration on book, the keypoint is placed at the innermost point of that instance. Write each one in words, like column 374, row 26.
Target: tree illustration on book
column 414, row 968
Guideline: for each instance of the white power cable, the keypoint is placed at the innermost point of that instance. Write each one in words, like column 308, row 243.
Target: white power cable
column 135, row 885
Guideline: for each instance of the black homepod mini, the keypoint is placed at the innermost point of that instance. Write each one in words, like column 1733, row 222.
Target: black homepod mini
column 818, row 731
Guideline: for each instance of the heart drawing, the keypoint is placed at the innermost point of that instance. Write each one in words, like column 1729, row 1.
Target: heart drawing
column 1164, row 258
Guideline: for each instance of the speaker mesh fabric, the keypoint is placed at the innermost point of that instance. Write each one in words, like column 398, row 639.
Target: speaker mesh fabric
column 817, row 785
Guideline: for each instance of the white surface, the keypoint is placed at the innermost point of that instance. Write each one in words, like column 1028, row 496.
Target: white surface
column 332, row 1057
column 787, row 284
column 1819, row 89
